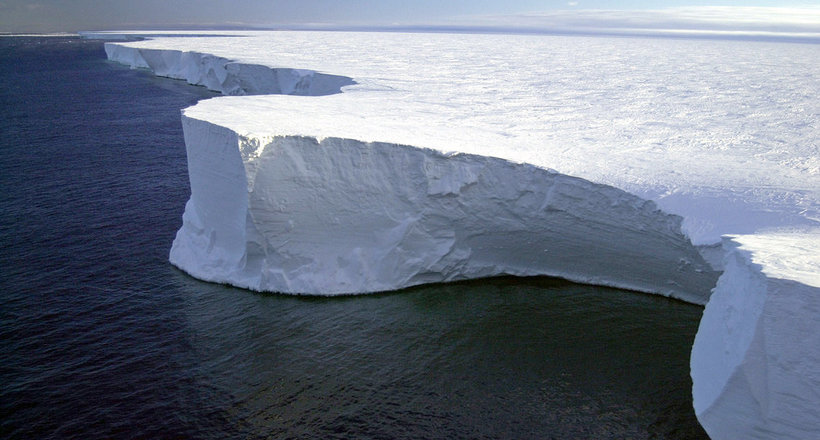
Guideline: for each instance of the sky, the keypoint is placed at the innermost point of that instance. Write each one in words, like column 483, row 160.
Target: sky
column 18, row 16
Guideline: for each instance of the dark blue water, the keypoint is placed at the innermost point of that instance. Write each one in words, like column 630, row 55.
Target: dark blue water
column 102, row 338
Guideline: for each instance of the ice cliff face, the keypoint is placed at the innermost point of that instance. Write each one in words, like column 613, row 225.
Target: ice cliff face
column 755, row 357
column 333, row 216
column 222, row 75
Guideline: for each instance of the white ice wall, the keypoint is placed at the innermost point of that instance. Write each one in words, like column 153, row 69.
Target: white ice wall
column 722, row 133
column 756, row 354
column 222, row 75
column 343, row 216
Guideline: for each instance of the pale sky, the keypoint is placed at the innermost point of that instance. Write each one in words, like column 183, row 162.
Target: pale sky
column 76, row 15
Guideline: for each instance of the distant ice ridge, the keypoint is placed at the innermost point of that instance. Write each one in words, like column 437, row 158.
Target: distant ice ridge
column 222, row 75
column 333, row 216
column 756, row 357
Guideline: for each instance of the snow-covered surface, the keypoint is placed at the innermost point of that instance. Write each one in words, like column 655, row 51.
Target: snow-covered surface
column 722, row 133
column 756, row 358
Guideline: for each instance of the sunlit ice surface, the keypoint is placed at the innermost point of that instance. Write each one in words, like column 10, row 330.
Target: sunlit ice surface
column 723, row 133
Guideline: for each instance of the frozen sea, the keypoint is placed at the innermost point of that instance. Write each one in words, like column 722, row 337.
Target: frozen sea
column 102, row 338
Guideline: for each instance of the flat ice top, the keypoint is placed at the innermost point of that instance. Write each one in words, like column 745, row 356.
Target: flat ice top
column 725, row 133
column 791, row 255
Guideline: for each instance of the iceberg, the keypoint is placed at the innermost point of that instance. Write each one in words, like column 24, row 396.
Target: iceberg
column 441, row 157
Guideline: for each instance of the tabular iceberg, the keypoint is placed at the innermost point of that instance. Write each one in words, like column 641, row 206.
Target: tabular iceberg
column 360, row 191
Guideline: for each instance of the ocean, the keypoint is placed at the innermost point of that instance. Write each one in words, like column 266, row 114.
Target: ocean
column 102, row 338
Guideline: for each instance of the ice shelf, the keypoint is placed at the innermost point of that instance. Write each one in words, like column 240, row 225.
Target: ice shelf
column 457, row 156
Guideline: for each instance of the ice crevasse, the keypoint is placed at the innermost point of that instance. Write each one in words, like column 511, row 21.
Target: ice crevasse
column 283, row 201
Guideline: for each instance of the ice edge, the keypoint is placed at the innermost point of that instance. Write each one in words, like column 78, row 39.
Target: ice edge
column 754, row 359
column 742, row 397
column 341, row 216
column 225, row 76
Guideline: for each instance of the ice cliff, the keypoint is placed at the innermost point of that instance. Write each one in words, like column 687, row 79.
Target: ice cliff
column 298, row 214
column 222, row 75
column 327, row 215
column 755, row 358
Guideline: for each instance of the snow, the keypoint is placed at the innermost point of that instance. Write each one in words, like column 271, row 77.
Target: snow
column 454, row 156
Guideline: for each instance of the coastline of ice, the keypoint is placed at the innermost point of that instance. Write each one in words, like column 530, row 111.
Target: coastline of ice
column 227, row 77
column 703, row 140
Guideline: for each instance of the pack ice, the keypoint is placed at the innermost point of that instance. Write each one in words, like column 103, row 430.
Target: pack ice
column 437, row 157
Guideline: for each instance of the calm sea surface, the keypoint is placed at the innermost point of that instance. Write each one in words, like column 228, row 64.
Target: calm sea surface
column 102, row 338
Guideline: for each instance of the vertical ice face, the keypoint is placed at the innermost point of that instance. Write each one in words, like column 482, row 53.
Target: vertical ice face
column 222, row 75
column 298, row 215
column 756, row 357
column 214, row 217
